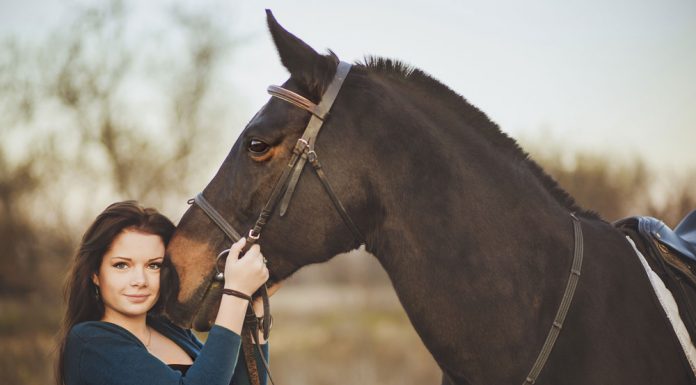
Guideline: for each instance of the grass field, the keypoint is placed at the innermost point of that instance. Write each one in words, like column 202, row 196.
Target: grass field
column 366, row 339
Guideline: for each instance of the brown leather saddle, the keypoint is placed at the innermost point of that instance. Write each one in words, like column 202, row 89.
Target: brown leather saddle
column 672, row 255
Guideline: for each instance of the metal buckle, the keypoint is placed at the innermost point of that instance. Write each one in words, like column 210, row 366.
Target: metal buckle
column 252, row 236
column 301, row 145
column 311, row 156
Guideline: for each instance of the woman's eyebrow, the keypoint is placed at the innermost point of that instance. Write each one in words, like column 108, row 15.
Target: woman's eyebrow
column 131, row 260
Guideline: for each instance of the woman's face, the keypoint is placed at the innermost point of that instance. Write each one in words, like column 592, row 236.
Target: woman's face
column 129, row 275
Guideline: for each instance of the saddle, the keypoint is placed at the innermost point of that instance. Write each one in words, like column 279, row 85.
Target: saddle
column 672, row 255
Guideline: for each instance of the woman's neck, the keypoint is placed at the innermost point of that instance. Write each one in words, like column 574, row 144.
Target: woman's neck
column 137, row 325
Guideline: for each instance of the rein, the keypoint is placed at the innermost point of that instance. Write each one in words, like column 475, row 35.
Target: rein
column 301, row 153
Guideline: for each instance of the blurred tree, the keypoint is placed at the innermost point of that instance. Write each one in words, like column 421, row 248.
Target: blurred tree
column 148, row 150
column 613, row 188
column 94, row 114
column 105, row 108
column 679, row 198
column 21, row 171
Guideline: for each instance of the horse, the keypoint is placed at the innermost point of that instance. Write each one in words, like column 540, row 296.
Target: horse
column 477, row 240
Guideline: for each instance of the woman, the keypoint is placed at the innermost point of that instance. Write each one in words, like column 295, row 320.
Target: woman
column 111, row 331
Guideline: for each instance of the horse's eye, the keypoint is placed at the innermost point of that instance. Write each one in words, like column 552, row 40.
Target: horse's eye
column 258, row 147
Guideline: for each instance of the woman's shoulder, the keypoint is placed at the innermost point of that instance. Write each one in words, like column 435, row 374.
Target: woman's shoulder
column 92, row 346
column 89, row 330
column 98, row 352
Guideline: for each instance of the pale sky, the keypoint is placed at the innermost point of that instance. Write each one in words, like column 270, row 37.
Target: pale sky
column 606, row 75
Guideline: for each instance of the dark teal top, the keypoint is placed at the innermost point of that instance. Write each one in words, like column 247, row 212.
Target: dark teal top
column 104, row 353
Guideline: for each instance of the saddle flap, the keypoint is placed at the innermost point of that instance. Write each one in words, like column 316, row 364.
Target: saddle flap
column 683, row 239
column 686, row 229
column 682, row 242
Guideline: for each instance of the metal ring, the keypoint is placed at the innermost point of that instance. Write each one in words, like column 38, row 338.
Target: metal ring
column 219, row 276
column 252, row 236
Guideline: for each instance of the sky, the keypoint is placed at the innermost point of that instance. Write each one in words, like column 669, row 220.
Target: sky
column 613, row 76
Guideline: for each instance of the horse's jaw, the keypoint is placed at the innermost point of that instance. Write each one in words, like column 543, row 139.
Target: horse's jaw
column 194, row 268
column 184, row 313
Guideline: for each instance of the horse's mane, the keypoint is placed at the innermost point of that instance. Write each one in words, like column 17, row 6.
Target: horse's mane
column 472, row 115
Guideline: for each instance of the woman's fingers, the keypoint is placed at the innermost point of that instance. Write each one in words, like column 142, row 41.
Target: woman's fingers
column 253, row 252
column 253, row 257
column 236, row 248
column 247, row 273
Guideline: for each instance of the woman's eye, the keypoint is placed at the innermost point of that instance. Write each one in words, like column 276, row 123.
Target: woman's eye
column 120, row 265
column 258, row 147
column 155, row 266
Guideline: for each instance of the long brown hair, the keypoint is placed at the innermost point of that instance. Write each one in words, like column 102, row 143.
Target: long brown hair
column 80, row 293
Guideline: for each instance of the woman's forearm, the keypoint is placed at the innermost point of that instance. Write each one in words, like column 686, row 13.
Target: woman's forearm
column 231, row 313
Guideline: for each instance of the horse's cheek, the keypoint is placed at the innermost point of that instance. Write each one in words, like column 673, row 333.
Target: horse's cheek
column 192, row 262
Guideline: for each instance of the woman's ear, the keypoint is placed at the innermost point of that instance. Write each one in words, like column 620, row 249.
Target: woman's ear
column 95, row 279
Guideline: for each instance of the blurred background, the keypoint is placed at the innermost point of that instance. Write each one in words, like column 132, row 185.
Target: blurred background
column 110, row 100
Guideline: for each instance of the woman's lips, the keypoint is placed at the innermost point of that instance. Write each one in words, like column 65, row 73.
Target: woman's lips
column 137, row 298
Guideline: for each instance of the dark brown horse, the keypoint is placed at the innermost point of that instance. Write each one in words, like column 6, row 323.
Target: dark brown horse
column 476, row 239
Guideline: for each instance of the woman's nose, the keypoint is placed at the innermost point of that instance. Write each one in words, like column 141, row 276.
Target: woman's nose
column 139, row 278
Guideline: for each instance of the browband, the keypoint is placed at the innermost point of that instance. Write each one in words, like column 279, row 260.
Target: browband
column 296, row 99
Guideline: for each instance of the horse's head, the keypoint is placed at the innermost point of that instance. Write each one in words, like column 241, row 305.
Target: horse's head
column 312, row 230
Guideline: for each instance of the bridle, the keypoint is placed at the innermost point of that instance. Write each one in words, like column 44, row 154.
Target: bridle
column 303, row 152
column 285, row 186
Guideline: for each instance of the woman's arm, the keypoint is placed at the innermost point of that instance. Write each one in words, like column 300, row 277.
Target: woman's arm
column 102, row 353
column 244, row 275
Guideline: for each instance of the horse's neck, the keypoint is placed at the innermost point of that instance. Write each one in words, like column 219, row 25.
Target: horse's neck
column 479, row 253
column 481, row 301
column 494, row 278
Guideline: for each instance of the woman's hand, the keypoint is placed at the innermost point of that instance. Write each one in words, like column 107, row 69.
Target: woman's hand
column 245, row 274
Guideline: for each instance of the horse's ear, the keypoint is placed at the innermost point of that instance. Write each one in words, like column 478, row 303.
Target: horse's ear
column 306, row 66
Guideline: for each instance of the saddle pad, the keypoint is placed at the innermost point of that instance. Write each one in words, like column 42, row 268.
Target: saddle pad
column 670, row 307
